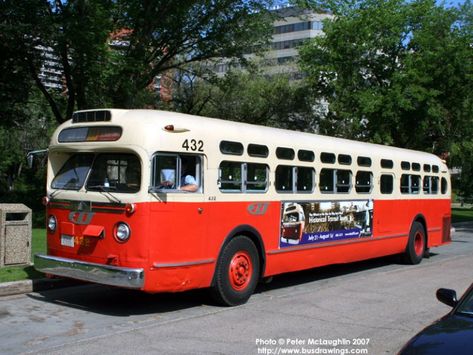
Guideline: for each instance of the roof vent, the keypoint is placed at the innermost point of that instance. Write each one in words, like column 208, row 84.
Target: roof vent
column 91, row 116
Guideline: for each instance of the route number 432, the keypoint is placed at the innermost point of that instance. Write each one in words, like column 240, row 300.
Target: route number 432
column 193, row 145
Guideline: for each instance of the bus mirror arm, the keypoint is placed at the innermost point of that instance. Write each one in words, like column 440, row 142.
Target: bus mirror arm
column 30, row 156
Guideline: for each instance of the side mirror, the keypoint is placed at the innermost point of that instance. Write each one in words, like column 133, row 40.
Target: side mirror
column 447, row 296
column 30, row 159
column 30, row 156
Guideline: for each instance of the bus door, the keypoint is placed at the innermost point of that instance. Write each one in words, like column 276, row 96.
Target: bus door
column 178, row 210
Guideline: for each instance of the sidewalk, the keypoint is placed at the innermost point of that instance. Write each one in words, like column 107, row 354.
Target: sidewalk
column 26, row 286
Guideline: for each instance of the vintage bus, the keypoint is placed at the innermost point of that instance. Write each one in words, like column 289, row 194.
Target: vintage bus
column 167, row 202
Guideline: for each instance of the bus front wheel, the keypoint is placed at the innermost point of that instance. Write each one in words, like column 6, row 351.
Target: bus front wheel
column 416, row 244
column 237, row 271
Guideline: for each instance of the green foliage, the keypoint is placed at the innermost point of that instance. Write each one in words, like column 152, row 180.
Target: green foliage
column 462, row 215
column 395, row 72
column 112, row 51
column 398, row 72
column 15, row 81
column 247, row 96
column 18, row 183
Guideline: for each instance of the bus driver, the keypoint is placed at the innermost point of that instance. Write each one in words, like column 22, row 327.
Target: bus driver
column 188, row 181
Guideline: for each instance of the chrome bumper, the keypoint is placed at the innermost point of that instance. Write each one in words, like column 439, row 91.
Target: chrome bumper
column 98, row 273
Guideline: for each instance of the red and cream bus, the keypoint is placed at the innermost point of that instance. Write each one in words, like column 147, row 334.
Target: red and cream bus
column 167, row 202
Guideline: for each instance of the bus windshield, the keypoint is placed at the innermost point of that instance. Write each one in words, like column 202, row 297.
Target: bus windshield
column 103, row 172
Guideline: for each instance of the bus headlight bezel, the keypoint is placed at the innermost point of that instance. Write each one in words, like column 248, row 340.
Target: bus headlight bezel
column 52, row 223
column 122, row 232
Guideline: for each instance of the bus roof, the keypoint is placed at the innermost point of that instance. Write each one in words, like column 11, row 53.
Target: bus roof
column 143, row 127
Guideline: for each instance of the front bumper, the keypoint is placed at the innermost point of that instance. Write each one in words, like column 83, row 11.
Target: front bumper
column 98, row 273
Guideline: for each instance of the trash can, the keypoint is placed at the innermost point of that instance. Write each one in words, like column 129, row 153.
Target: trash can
column 15, row 234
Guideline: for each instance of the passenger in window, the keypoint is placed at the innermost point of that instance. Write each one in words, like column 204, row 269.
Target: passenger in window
column 188, row 181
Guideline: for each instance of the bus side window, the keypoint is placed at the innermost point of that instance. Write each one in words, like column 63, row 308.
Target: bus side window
column 165, row 171
column 294, row 179
column 435, row 184
column 364, row 181
column 335, row 181
column 444, row 186
column 415, row 184
column 243, row 177
column 387, row 184
column 256, row 177
column 305, row 179
column 410, row 184
column 431, row 184
column 230, row 176
column 177, row 172
column 284, row 178
column 326, row 182
column 426, row 185
column 405, row 183
column 343, row 181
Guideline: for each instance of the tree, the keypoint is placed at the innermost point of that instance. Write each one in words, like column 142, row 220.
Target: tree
column 111, row 51
column 15, row 81
column 395, row 72
column 247, row 96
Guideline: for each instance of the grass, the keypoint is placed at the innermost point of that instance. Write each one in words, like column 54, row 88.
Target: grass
column 26, row 272
column 462, row 215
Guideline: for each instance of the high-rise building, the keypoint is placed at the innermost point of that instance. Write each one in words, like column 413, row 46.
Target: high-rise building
column 51, row 71
column 292, row 28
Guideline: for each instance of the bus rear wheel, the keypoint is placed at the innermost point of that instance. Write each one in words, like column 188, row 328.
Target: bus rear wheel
column 416, row 244
column 237, row 271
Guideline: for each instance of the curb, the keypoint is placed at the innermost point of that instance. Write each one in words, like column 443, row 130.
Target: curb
column 27, row 286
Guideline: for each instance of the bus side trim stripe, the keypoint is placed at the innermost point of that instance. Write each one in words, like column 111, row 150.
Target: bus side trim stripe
column 181, row 264
column 311, row 246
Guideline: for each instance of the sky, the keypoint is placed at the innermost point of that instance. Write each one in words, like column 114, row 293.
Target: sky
column 452, row 2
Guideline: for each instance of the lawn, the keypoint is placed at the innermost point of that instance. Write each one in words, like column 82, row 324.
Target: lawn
column 15, row 273
column 462, row 215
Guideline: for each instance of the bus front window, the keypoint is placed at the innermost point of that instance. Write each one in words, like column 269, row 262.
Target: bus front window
column 105, row 172
column 73, row 173
column 115, row 172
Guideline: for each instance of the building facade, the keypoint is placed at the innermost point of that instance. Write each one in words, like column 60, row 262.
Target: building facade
column 291, row 29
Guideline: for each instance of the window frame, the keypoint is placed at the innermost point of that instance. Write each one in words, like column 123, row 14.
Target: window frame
column 410, row 188
column 335, row 181
column 243, row 178
column 370, row 185
column 199, row 172
column 295, row 173
column 381, row 184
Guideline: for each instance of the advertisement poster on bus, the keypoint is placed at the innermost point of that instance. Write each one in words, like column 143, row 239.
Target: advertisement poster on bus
column 328, row 221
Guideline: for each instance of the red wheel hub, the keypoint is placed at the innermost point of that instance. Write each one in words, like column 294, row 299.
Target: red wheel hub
column 240, row 270
column 419, row 243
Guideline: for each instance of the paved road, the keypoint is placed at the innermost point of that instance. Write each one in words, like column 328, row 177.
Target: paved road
column 368, row 307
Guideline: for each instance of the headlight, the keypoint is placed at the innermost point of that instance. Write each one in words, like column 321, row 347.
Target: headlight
column 52, row 224
column 122, row 232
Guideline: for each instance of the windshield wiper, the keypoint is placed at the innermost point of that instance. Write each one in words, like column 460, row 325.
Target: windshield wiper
column 105, row 191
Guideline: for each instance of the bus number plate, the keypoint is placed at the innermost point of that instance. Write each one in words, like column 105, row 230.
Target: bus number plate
column 67, row 240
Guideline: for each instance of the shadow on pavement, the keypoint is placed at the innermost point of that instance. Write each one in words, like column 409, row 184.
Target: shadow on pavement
column 118, row 302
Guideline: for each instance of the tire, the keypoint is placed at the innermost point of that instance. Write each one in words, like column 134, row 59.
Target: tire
column 237, row 272
column 416, row 245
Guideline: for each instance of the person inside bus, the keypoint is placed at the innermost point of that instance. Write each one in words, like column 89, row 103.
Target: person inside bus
column 188, row 181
